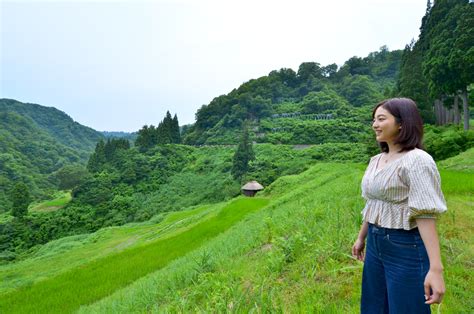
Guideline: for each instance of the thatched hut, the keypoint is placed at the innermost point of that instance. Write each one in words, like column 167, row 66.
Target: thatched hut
column 251, row 188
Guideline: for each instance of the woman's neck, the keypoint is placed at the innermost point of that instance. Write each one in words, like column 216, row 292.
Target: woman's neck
column 393, row 148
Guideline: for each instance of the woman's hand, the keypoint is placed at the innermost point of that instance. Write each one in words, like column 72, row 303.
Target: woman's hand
column 358, row 249
column 434, row 283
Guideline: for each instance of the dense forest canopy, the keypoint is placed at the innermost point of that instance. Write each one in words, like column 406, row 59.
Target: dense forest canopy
column 313, row 89
column 438, row 69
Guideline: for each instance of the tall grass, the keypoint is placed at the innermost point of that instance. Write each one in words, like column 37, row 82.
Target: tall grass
column 294, row 256
column 462, row 162
column 61, row 255
column 93, row 281
column 251, row 262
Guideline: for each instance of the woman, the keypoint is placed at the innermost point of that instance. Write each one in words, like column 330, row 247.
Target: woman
column 402, row 272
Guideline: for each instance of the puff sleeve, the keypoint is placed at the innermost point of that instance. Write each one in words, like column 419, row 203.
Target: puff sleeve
column 425, row 198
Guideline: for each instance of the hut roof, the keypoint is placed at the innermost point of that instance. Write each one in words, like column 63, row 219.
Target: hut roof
column 252, row 186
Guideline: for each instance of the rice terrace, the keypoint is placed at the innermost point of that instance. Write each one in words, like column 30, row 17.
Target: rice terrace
column 251, row 201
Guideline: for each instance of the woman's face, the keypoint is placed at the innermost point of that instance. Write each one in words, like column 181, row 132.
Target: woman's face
column 385, row 126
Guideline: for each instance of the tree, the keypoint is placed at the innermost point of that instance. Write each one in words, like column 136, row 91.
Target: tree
column 323, row 101
column 412, row 83
column 307, row 69
column 146, row 138
column 243, row 155
column 449, row 55
column 461, row 57
column 20, row 200
column 175, row 134
column 70, row 176
column 358, row 66
column 360, row 90
column 329, row 70
column 97, row 159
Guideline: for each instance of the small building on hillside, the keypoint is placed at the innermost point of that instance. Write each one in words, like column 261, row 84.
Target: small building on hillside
column 251, row 188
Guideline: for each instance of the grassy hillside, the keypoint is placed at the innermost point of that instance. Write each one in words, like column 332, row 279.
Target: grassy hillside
column 462, row 162
column 58, row 201
column 295, row 254
column 291, row 255
column 97, row 279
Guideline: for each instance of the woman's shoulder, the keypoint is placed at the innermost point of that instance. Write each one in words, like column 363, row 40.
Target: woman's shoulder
column 418, row 157
column 375, row 157
column 421, row 155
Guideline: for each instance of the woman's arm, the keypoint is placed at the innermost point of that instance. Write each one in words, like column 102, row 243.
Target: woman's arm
column 359, row 245
column 434, row 282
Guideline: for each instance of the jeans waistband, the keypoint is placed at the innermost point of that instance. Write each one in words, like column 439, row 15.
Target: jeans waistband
column 383, row 231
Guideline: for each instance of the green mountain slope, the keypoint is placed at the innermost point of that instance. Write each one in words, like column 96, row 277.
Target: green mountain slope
column 56, row 124
column 36, row 141
column 317, row 104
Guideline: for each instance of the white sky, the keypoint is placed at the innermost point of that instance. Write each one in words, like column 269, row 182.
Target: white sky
column 118, row 65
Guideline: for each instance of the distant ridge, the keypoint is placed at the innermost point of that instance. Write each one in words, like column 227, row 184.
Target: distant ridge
column 56, row 123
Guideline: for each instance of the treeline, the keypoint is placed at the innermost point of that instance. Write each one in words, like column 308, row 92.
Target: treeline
column 167, row 132
column 312, row 89
column 438, row 68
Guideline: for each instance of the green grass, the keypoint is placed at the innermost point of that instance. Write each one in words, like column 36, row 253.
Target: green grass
column 90, row 282
column 61, row 199
column 66, row 253
column 294, row 256
column 462, row 162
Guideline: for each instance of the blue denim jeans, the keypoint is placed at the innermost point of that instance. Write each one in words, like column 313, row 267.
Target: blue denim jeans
column 395, row 267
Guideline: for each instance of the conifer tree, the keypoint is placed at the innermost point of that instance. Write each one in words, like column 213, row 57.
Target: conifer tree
column 243, row 155
column 97, row 159
column 176, row 136
column 20, row 200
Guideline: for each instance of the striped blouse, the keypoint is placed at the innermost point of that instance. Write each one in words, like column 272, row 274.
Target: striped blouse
column 407, row 188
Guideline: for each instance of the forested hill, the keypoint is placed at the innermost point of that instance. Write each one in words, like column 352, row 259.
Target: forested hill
column 282, row 107
column 35, row 141
column 55, row 123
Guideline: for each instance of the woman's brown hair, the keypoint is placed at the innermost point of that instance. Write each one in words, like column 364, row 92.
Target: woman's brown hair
column 406, row 114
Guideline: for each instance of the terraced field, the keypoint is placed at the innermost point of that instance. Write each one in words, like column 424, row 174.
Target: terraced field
column 288, row 250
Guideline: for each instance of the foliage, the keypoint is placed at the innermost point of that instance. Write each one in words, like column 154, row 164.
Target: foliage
column 313, row 89
column 439, row 65
column 131, row 186
column 360, row 90
column 447, row 141
column 324, row 101
column 36, row 141
column 167, row 132
column 20, row 200
column 70, row 176
column 243, row 155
